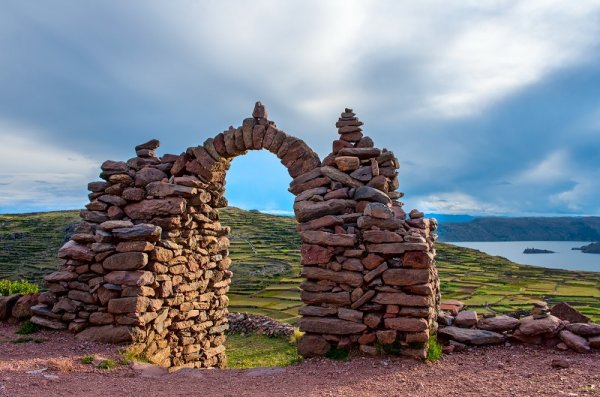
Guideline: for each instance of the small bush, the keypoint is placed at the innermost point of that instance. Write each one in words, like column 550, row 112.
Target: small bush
column 28, row 328
column 336, row 353
column 434, row 351
column 295, row 337
column 107, row 364
column 128, row 357
column 87, row 359
column 10, row 287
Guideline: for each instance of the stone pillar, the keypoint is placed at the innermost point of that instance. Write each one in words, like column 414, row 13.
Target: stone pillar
column 370, row 270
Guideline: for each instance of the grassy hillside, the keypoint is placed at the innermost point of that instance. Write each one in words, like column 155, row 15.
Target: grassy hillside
column 523, row 229
column 265, row 253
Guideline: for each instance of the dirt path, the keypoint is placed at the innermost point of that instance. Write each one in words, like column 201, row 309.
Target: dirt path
column 500, row 371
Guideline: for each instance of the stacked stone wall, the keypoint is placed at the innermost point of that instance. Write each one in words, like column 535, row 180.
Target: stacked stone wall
column 148, row 265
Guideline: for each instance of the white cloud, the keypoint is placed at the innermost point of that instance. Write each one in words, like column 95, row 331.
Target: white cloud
column 35, row 173
column 554, row 168
column 457, row 203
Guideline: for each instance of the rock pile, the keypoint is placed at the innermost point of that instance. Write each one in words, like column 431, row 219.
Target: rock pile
column 149, row 265
column 540, row 328
column 246, row 323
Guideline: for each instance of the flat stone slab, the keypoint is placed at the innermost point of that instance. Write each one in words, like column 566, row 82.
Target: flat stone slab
column 472, row 336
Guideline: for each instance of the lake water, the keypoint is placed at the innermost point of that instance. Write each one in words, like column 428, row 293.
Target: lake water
column 563, row 258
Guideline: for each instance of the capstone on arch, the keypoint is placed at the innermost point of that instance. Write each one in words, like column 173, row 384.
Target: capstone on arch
column 148, row 265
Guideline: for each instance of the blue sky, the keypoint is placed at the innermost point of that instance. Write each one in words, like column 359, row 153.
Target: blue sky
column 493, row 108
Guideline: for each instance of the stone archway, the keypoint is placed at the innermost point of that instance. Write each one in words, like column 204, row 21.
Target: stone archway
column 148, row 266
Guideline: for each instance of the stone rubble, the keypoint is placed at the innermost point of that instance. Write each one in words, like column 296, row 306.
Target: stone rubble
column 539, row 328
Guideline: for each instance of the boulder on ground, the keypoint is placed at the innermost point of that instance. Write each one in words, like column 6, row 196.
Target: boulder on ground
column 313, row 345
column 498, row 323
column 6, row 305
column 566, row 312
column 471, row 336
column 531, row 327
column 575, row 342
column 466, row 319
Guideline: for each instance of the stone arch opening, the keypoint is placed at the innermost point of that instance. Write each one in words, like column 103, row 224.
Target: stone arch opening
column 149, row 265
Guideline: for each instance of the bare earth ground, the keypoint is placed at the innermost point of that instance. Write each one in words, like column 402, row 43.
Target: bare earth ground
column 496, row 371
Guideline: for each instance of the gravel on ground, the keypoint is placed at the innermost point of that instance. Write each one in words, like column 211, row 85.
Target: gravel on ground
column 50, row 365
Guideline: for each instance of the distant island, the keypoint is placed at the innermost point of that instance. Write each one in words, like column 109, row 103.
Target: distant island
column 537, row 251
column 593, row 248
column 521, row 229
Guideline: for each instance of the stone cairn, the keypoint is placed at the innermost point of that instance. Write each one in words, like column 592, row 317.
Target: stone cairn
column 148, row 264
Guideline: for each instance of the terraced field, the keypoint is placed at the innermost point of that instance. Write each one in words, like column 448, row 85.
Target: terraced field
column 266, row 257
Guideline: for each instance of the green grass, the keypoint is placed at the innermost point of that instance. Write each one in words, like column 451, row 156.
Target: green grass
column 265, row 250
column 10, row 287
column 108, row 364
column 28, row 328
column 259, row 351
column 23, row 340
column 434, row 349
column 87, row 359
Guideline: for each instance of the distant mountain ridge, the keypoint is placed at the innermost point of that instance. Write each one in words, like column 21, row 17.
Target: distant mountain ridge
column 522, row 229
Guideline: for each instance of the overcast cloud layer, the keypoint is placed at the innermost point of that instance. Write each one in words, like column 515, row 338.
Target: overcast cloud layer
column 492, row 107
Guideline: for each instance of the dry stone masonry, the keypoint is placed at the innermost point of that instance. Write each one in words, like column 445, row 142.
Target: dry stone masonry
column 148, row 266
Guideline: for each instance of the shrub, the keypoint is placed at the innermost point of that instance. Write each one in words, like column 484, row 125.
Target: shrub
column 128, row 357
column 434, row 351
column 28, row 328
column 10, row 287
column 107, row 364
column 87, row 359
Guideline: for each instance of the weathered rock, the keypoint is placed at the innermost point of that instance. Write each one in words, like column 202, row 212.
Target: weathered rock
column 575, row 342
column 353, row 279
column 466, row 319
column 324, row 238
column 566, row 312
column 313, row 346
column 404, row 277
column 594, row 342
column 6, row 305
column 378, row 210
column 128, row 305
column 584, row 329
column 107, row 334
column 347, row 163
column 147, row 175
column 371, row 194
column 138, row 278
column 126, row 261
column 48, row 322
column 560, row 363
column 471, row 336
column 317, row 311
column 532, row 327
column 324, row 325
column 406, row 324
column 396, row 248
column 78, row 252
column 147, row 209
column 498, row 323
column 60, row 276
column 22, row 308
column 317, row 298
column 401, row 299
column 308, row 210
column 340, row 176
column 315, row 254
